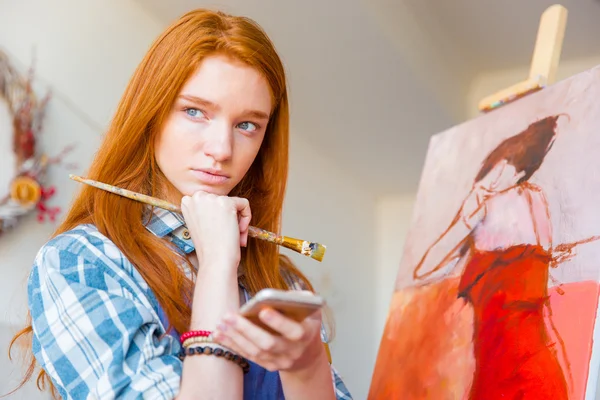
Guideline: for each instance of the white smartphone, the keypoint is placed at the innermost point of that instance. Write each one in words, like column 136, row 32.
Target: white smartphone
column 294, row 304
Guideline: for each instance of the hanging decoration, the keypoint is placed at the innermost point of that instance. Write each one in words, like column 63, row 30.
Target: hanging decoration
column 23, row 165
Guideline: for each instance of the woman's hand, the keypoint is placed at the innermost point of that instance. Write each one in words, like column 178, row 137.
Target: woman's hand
column 297, row 348
column 218, row 226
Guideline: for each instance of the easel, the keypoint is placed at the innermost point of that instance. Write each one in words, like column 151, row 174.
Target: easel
column 544, row 63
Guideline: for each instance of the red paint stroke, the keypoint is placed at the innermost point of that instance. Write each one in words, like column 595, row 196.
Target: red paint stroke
column 573, row 315
column 427, row 349
column 515, row 357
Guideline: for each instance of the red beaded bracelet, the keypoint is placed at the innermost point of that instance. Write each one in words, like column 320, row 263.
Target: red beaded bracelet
column 190, row 334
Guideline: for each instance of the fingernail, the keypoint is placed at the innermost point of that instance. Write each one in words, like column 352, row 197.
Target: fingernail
column 222, row 328
column 229, row 319
column 267, row 315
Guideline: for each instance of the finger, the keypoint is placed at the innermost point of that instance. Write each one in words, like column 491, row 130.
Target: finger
column 188, row 201
column 243, row 235
column 244, row 216
column 268, row 363
column 257, row 335
column 201, row 193
column 228, row 343
column 231, row 337
column 185, row 202
column 287, row 327
column 243, row 208
column 317, row 315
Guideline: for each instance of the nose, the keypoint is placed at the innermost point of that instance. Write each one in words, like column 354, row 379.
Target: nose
column 219, row 143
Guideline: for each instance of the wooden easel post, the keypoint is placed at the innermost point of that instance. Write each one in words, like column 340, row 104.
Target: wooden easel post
column 544, row 63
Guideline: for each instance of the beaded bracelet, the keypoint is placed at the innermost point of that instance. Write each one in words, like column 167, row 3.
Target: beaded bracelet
column 196, row 340
column 219, row 352
column 191, row 334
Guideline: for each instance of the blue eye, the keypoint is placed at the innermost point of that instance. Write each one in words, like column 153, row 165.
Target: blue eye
column 248, row 126
column 194, row 112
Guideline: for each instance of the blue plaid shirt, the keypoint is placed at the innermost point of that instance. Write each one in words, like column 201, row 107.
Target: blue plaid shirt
column 98, row 328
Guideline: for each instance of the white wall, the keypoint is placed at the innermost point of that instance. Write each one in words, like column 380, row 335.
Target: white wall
column 490, row 82
column 434, row 58
column 86, row 52
column 393, row 216
column 325, row 205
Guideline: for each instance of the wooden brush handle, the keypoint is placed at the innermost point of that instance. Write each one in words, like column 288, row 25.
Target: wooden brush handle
column 153, row 201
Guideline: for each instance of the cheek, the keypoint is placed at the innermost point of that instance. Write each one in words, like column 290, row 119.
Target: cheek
column 247, row 156
column 169, row 147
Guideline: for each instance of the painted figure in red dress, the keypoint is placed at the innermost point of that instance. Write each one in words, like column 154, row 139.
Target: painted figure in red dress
column 502, row 249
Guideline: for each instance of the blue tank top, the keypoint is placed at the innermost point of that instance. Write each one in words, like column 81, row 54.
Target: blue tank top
column 259, row 383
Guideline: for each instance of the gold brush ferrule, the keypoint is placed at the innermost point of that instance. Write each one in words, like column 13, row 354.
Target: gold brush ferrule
column 301, row 246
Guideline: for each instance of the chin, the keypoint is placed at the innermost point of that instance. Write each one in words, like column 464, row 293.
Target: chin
column 189, row 190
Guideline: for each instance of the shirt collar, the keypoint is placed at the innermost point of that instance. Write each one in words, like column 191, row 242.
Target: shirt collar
column 168, row 224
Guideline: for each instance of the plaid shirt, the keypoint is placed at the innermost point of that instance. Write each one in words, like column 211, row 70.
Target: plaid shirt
column 97, row 326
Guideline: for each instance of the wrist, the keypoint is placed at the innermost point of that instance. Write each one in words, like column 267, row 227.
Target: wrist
column 312, row 379
column 218, row 266
column 318, row 371
column 216, row 293
column 218, row 269
column 314, row 360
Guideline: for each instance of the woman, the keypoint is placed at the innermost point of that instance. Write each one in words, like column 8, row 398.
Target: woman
column 203, row 123
column 501, row 241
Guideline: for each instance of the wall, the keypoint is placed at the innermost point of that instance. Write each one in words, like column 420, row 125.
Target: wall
column 393, row 216
column 327, row 206
column 490, row 82
column 433, row 57
column 86, row 52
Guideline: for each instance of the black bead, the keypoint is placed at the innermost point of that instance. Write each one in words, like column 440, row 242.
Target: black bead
column 218, row 352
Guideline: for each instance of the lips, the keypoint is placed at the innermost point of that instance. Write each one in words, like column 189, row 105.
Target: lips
column 210, row 176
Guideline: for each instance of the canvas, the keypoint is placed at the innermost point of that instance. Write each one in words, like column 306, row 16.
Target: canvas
column 497, row 291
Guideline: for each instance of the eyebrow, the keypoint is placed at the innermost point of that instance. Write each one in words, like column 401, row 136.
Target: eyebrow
column 210, row 104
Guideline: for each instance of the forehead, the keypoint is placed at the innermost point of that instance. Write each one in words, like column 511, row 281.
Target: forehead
column 229, row 83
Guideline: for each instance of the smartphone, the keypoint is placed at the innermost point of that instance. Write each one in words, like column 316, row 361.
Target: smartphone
column 294, row 304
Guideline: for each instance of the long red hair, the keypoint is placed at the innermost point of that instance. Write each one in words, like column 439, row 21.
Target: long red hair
column 126, row 159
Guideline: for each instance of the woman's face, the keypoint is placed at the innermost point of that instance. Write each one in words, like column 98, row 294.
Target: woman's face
column 215, row 128
column 501, row 177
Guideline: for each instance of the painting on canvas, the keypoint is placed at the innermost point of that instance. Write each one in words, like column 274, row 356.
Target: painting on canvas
column 497, row 291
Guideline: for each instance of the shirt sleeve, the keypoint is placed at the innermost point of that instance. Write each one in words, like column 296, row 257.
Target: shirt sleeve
column 92, row 332
column 341, row 391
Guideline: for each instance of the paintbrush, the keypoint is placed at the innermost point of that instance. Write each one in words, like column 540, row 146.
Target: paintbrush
column 309, row 249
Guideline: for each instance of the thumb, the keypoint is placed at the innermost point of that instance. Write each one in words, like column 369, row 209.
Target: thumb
column 242, row 207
